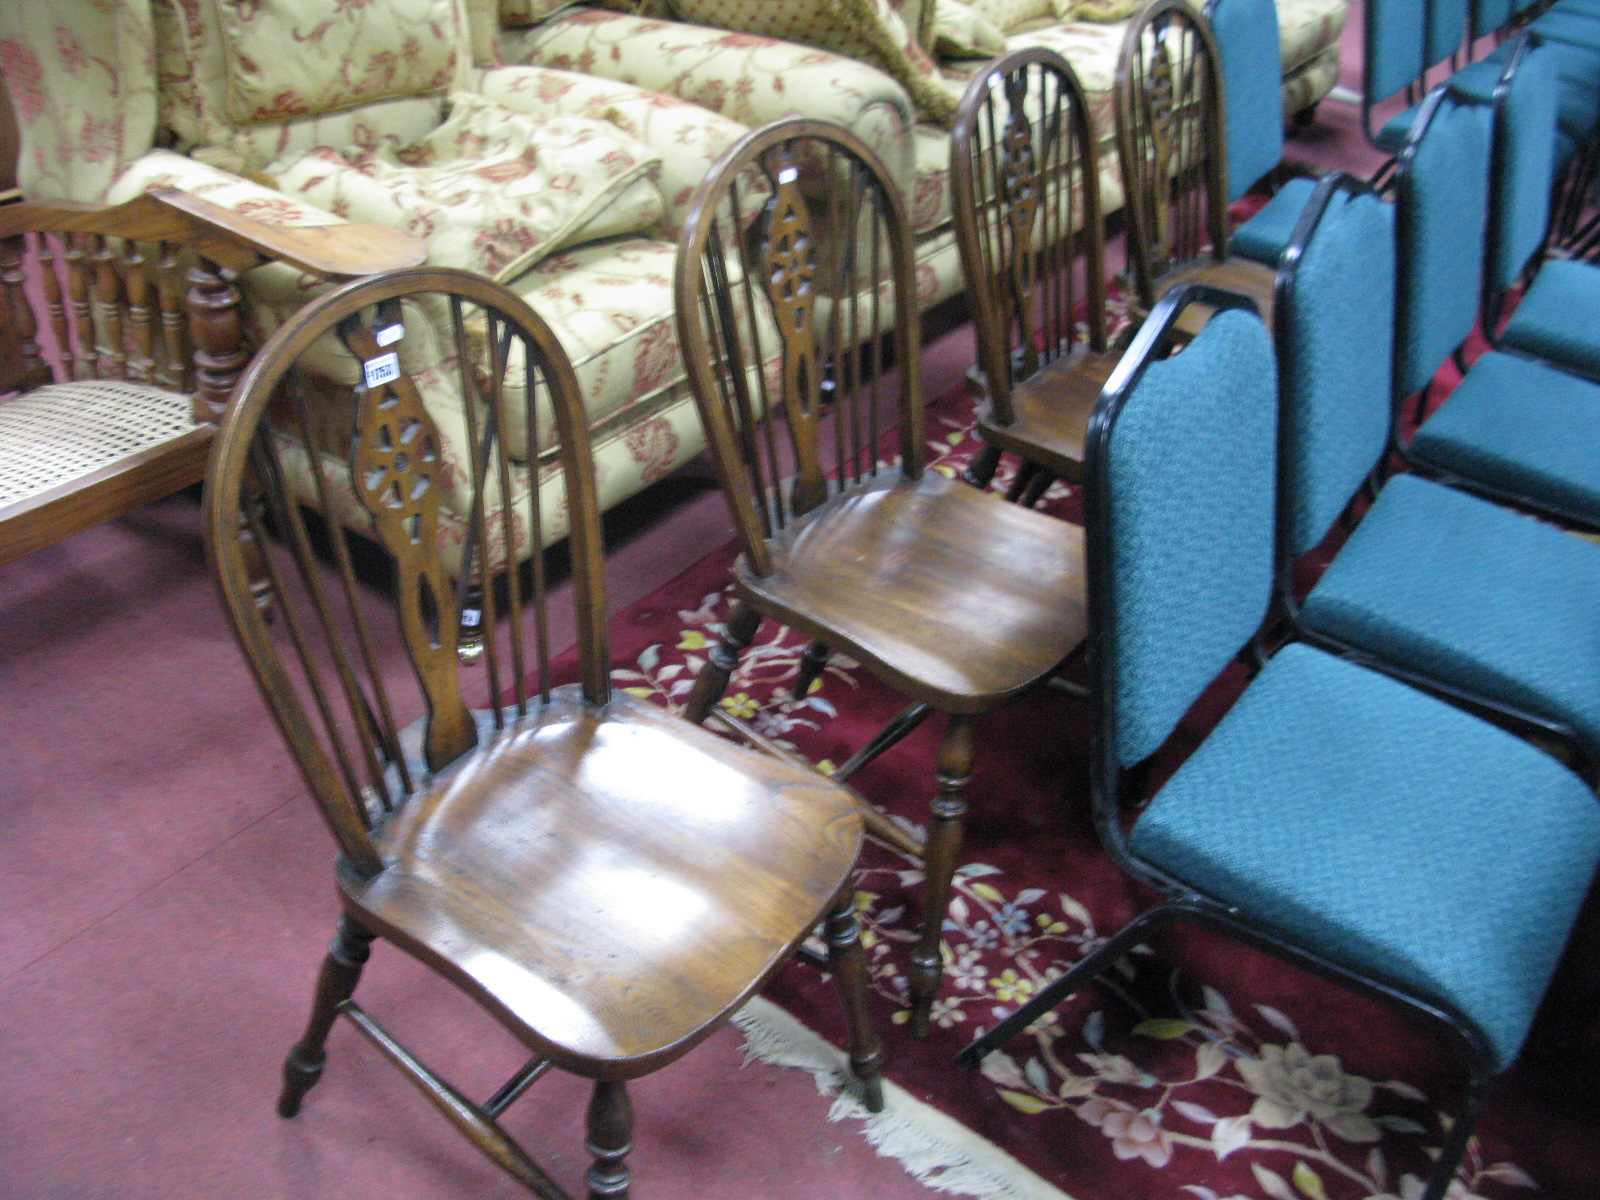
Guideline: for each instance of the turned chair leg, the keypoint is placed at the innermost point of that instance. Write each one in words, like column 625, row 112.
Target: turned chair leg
column 610, row 1139
column 738, row 633
column 980, row 471
column 336, row 982
column 953, row 769
column 848, row 961
column 812, row 663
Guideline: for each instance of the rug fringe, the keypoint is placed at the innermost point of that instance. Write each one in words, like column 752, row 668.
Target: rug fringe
column 937, row 1151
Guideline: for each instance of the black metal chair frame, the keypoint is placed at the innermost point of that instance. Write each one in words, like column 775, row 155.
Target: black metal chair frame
column 1110, row 785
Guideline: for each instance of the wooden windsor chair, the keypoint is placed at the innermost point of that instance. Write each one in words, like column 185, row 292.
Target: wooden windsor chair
column 606, row 880
column 797, row 317
column 1025, row 191
column 1173, row 153
column 131, row 342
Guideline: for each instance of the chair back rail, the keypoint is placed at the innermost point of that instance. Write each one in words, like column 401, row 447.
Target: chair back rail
column 1025, row 193
column 802, row 345
column 344, row 715
column 1171, row 142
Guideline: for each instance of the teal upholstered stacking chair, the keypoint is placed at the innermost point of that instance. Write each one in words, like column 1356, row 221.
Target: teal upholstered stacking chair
column 1247, row 44
column 1405, row 41
column 1499, row 612
column 1399, row 792
column 1518, row 430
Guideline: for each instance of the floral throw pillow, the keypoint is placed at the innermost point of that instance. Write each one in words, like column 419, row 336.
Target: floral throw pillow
column 530, row 12
column 490, row 190
column 873, row 31
column 961, row 31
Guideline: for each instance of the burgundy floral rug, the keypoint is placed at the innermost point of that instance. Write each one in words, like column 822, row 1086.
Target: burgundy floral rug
column 1198, row 1069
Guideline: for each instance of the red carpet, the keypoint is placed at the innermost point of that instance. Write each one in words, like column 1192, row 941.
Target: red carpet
column 1204, row 1069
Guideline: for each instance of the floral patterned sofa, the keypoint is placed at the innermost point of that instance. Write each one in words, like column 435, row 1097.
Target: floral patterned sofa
column 569, row 188
column 753, row 78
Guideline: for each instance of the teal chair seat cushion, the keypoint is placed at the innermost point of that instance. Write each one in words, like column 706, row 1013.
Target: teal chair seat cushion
column 1264, row 236
column 1388, row 833
column 1578, row 103
column 1557, row 317
column 1473, row 595
column 1569, row 25
column 1522, row 426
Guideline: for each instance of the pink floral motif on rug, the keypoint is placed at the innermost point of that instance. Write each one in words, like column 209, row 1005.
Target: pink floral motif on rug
column 1195, row 1069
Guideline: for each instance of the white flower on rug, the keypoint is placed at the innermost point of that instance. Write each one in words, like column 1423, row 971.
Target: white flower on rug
column 1292, row 1085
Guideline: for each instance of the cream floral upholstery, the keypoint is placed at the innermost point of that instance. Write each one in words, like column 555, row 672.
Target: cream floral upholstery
column 754, row 79
column 568, row 187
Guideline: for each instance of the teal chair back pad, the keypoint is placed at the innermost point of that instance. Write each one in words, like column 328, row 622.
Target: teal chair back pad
column 1179, row 512
column 1442, row 194
column 1335, row 323
column 1523, row 179
column 1252, row 78
column 1404, row 39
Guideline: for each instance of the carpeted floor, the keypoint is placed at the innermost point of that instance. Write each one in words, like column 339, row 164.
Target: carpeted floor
column 165, row 897
column 1203, row 1066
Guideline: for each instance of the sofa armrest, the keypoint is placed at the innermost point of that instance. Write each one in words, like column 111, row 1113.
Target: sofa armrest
column 748, row 79
column 238, row 223
column 686, row 137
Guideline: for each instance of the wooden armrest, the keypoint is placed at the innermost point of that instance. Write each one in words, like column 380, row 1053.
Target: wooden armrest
column 339, row 251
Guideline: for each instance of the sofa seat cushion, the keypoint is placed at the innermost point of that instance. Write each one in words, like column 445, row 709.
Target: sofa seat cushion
column 871, row 31
column 1311, row 809
column 610, row 305
column 1309, row 28
column 491, row 190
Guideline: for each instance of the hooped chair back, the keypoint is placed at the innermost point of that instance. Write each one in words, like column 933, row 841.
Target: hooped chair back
column 1171, row 143
column 795, row 291
column 1026, row 198
column 319, row 661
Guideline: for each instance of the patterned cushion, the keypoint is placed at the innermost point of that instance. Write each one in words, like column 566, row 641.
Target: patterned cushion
column 1472, row 594
column 211, row 97
column 684, row 138
column 1388, row 833
column 77, row 129
column 961, row 31
column 870, row 30
column 530, row 12
column 1309, row 28
column 1191, row 546
column 291, row 58
column 1556, row 317
column 1007, row 15
column 1521, row 425
column 1305, row 85
column 491, row 190
column 744, row 78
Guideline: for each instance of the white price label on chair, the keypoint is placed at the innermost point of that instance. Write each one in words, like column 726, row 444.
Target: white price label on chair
column 390, row 335
column 382, row 369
